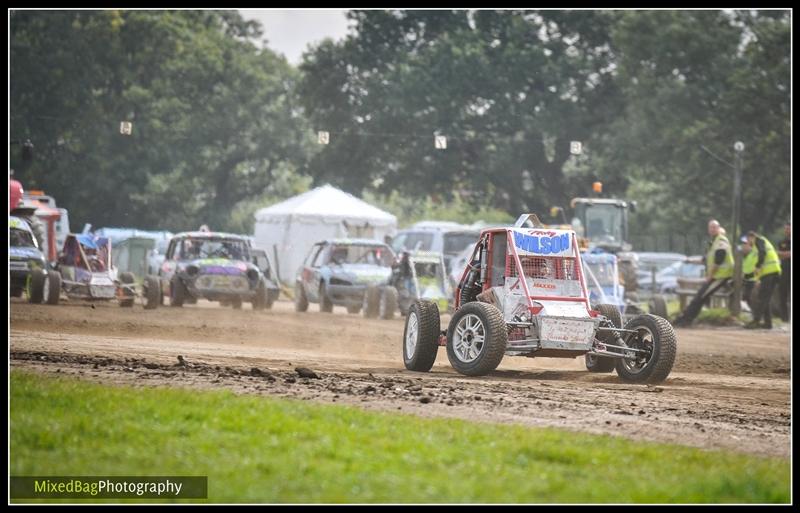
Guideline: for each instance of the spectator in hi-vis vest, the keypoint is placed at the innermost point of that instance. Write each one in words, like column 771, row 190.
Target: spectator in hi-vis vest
column 748, row 272
column 719, row 271
column 768, row 271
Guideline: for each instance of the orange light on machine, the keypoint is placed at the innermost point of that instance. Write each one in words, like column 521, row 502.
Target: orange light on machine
column 597, row 187
column 36, row 192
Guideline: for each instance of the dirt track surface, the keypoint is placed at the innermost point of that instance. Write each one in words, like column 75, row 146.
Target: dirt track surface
column 730, row 388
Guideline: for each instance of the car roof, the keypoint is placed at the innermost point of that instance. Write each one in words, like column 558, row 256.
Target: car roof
column 353, row 242
column 209, row 235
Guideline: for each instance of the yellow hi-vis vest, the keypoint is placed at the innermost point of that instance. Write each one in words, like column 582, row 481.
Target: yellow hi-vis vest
column 749, row 263
column 772, row 263
column 725, row 269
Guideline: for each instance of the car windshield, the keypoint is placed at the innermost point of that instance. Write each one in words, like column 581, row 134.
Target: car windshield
column 234, row 249
column 604, row 272
column 604, row 223
column 20, row 239
column 456, row 242
column 361, row 254
column 415, row 241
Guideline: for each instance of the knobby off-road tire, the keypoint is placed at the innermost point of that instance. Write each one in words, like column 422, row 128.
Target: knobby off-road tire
column 659, row 334
column 300, row 299
column 325, row 304
column 421, row 336
column 54, row 288
column 152, row 292
column 658, row 306
column 476, row 339
column 35, row 286
column 596, row 363
column 177, row 292
column 388, row 303
column 372, row 300
column 354, row 309
column 129, row 279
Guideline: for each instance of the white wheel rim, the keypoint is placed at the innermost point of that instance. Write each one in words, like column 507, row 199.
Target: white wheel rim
column 46, row 289
column 469, row 338
column 412, row 327
column 635, row 367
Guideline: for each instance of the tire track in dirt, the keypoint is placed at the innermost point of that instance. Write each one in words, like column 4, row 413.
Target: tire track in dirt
column 708, row 401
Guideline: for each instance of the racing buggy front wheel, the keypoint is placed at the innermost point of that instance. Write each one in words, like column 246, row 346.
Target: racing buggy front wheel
column 656, row 336
column 421, row 336
column 476, row 339
column 595, row 363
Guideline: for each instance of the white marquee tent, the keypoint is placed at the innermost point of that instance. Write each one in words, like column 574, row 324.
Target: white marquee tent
column 293, row 226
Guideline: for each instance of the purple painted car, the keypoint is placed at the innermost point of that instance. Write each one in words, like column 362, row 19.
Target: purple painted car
column 214, row 266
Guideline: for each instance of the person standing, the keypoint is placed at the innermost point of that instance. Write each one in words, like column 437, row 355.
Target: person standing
column 749, row 272
column 719, row 271
column 768, row 271
column 784, row 285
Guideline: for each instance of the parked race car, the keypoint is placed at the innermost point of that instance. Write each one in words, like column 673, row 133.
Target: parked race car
column 86, row 271
column 214, row 266
column 415, row 275
column 344, row 272
column 27, row 267
column 603, row 282
column 523, row 293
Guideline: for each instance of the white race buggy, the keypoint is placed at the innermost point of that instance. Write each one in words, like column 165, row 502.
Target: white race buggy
column 523, row 293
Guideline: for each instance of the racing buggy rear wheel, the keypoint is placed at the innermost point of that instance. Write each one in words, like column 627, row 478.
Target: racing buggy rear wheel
column 657, row 337
column 325, row 303
column 37, row 281
column 596, row 363
column 421, row 336
column 657, row 306
column 388, row 303
column 128, row 279
column 152, row 292
column 372, row 299
column 476, row 339
column 53, row 288
column 300, row 299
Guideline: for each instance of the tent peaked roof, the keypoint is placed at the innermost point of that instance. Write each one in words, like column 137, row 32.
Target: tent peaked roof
column 329, row 203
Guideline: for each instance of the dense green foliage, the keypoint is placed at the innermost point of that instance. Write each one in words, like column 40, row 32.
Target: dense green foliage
column 221, row 127
column 214, row 118
column 256, row 449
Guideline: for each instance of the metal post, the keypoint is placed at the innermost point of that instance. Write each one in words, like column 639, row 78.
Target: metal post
column 736, row 302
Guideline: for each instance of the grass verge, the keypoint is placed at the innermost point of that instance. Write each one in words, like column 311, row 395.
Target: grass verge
column 257, row 449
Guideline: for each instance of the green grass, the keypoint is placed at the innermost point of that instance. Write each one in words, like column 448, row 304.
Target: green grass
column 257, row 449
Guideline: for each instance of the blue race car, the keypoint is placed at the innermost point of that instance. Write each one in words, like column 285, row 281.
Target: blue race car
column 344, row 272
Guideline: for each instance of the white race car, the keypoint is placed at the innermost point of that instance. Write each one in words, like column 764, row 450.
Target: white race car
column 523, row 293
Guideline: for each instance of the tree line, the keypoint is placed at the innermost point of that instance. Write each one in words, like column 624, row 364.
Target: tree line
column 222, row 125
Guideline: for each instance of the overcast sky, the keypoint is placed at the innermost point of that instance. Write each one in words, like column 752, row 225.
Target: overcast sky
column 290, row 31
